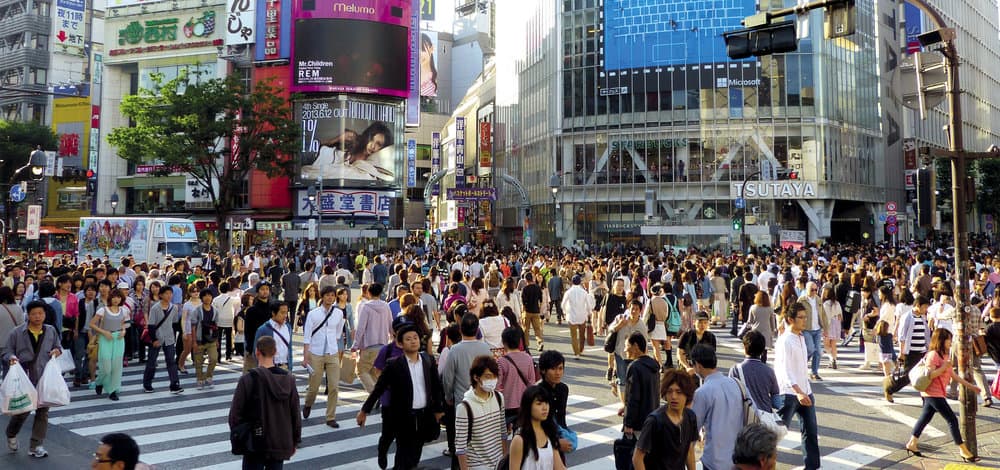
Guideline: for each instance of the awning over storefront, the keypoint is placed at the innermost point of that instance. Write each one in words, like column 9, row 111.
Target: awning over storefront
column 151, row 182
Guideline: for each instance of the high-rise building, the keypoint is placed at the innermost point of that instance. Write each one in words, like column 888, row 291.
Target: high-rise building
column 655, row 136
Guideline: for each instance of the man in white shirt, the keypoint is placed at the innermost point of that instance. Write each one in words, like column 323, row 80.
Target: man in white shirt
column 577, row 304
column 791, row 367
column 323, row 327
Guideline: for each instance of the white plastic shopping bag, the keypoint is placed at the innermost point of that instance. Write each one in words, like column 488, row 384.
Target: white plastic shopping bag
column 17, row 395
column 52, row 389
column 65, row 361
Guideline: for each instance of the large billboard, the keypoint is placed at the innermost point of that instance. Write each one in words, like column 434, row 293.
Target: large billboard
column 353, row 142
column 649, row 33
column 428, row 63
column 274, row 30
column 361, row 47
column 115, row 238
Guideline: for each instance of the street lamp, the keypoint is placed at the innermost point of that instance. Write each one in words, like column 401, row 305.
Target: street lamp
column 114, row 203
column 554, row 184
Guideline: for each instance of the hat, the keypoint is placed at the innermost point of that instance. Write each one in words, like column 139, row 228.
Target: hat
column 399, row 321
column 577, row 279
column 703, row 315
column 123, row 285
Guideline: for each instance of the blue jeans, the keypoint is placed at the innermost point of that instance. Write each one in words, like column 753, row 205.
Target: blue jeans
column 814, row 346
column 621, row 367
column 938, row 405
column 807, row 423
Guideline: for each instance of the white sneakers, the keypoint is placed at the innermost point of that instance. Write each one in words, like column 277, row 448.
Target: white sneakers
column 38, row 452
column 12, row 444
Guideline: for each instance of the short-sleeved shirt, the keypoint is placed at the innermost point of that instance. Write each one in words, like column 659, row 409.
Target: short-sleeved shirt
column 666, row 444
column 939, row 384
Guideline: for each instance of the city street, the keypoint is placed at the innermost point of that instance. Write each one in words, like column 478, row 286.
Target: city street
column 858, row 429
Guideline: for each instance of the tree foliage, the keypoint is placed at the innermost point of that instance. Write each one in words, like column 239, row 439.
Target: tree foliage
column 215, row 130
column 18, row 139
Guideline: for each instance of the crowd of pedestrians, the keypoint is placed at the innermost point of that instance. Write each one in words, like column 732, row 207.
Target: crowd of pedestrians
column 454, row 338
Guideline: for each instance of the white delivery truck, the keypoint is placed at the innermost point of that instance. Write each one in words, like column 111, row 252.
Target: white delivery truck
column 148, row 239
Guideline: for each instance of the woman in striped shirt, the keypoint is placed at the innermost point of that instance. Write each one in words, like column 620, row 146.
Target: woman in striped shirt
column 480, row 434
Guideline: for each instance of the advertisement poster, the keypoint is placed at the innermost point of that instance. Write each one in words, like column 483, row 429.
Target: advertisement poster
column 428, row 63
column 351, row 142
column 70, row 26
column 485, row 145
column 413, row 100
column 362, row 47
column 794, row 239
column 411, row 163
column 670, row 32
column 115, row 238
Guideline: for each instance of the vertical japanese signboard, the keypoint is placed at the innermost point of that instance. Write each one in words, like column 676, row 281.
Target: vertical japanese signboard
column 413, row 101
column 241, row 22
column 411, row 163
column 34, row 222
column 435, row 160
column 460, row 152
column 485, row 145
column 69, row 27
column 273, row 30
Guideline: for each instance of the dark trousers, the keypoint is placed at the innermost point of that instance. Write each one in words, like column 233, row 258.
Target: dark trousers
column 179, row 341
column 911, row 361
column 937, row 405
column 169, row 354
column 557, row 306
column 227, row 333
column 410, row 439
column 80, row 357
column 38, row 429
column 258, row 462
column 385, row 440
column 449, row 423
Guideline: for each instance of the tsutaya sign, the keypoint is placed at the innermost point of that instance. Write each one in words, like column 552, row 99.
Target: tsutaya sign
column 774, row 190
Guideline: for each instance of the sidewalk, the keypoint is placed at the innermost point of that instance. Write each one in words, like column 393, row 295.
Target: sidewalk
column 942, row 454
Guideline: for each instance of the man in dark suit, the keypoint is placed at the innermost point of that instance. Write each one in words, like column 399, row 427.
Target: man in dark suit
column 414, row 416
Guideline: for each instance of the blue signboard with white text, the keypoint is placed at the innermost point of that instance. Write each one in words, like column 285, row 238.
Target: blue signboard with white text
column 649, row 33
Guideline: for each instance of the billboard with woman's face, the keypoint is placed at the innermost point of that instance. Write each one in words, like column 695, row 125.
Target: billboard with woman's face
column 356, row 47
column 428, row 63
column 353, row 143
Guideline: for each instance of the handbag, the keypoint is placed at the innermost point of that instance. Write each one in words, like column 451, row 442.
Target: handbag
column 611, row 342
column 624, row 447
column 995, row 388
column 979, row 345
column 920, row 375
column 566, row 433
column 590, row 334
column 148, row 336
column 248, row 436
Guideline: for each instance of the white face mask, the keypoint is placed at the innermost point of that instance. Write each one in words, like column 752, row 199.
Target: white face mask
column 490, row 385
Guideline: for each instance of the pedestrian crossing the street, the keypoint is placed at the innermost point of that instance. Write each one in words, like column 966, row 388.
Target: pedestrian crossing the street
column 190, row 430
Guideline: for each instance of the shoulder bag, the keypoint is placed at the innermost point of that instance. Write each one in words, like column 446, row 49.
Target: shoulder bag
column 148, row 336
column 769, row 419
column 323, row 323
column 920, row 375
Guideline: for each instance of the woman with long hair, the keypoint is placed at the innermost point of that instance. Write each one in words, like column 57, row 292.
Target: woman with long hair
column 934, row 395
column 428, row 67
column 308, row 300
column 834, row 316
column 492, row 324
column 761, row 319
column 477, row 296
column 884, row 329
column 138, row 293
column 535, row 446
column 598, row 289
column 510, row 297
column 110, row 323
column 415, row 315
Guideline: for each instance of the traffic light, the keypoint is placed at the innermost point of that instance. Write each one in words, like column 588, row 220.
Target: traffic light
column 924, row 203
column 351, row 222
column 761, row 40
column 738, row 219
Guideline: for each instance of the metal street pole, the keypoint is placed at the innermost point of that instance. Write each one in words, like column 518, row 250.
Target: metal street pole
column 743, row 224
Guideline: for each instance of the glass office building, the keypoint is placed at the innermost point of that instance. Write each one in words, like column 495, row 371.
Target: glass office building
column 655, row 130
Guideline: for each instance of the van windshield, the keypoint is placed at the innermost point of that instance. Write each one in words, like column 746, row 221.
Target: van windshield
column 183, row 249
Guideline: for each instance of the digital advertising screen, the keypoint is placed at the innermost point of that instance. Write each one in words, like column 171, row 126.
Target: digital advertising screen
column 352, row 143
column 357, row 47
column 651, row 33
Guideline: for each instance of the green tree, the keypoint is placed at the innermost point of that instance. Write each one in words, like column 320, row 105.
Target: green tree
column 215, row 130
column 17, row 140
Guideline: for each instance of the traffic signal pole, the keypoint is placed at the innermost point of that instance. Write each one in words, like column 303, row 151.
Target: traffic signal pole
column 743, row 223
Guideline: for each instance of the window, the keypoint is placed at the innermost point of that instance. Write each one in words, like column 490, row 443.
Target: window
column 72, row 198
column 37, row 76
column 40, row 41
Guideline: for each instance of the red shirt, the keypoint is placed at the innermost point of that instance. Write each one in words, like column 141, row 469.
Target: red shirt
column 939, row 384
